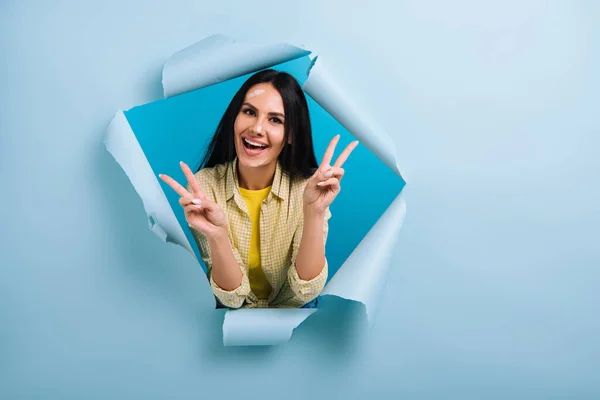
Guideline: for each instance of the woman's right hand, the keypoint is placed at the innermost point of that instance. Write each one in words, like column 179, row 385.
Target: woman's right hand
column 200, row 212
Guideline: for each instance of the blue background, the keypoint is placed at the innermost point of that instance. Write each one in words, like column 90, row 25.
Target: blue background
column 180, row 128
column 494, row 292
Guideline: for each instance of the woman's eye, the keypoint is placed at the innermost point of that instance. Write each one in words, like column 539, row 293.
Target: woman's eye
column 276, row 120
column 248, row 111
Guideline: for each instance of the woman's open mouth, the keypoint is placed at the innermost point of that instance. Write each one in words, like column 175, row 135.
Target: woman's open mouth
column 253, row 148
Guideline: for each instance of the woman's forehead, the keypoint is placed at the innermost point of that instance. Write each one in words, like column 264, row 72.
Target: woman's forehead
column 254, row 92
column 265, row 95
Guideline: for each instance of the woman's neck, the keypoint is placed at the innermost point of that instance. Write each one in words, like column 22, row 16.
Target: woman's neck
column 256, row 178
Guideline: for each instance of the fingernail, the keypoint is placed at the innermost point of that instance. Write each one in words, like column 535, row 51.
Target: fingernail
column 197, row 206
column 320, row 183
column 328, row 174
column 197, row 201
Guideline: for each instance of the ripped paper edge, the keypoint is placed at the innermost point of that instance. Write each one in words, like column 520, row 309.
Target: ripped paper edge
column 120, row 141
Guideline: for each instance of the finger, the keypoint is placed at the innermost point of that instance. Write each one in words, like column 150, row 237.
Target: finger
column 191, row 178
column 209, row 205
column 335, row 172
column 329, row 152
column 192, row 208
column 331, row 182
column 184, row 201
column 345, row 154
column 195, row 215
column 174, row 185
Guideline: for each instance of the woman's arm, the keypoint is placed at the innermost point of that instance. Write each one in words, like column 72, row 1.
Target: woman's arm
column 312, row 239
column 311, row 254
column 226, row 271
column 210, row 229
column 227, row 279
column 308, row 274
column 224, row 268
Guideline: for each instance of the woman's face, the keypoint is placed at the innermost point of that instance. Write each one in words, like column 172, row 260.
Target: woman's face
column 259, row 127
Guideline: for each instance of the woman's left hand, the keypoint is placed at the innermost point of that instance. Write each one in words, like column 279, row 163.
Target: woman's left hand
column 324, row 185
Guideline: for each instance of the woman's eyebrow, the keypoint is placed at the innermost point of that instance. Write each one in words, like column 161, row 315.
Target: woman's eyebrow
column 271, row 113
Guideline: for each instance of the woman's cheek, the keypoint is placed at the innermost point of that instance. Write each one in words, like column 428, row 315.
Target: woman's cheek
column 280, row 136
column 240, row 122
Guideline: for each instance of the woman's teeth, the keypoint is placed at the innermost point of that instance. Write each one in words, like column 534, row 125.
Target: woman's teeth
column 253, row 145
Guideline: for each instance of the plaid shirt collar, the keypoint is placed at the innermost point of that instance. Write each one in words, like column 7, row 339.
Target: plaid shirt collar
column 279, row 188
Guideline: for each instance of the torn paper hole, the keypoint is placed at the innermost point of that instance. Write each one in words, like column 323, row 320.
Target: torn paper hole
column 152, row 138
column 121, row 142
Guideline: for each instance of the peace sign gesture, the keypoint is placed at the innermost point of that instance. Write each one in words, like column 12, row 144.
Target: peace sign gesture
column 200, row 212
column 324, row 185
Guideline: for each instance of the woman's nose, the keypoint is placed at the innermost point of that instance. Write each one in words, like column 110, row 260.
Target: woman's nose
column 258, row 127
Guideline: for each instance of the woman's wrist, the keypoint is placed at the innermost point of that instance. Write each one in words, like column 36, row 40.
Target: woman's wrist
column 313, row 212
column 218, row 235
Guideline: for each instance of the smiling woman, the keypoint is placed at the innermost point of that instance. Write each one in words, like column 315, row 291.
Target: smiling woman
column 258, row 206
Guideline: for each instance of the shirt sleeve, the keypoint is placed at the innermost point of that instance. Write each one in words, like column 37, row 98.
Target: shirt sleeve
column 307, row 290
column 229, row 298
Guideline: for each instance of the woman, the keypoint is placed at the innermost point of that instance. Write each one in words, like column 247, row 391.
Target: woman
column 258, row 207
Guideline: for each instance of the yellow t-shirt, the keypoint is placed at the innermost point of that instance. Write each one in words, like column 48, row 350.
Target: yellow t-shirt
column 258, row 280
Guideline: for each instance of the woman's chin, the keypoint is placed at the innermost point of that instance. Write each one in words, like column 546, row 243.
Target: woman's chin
column 254, row 159
column 253, row 162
